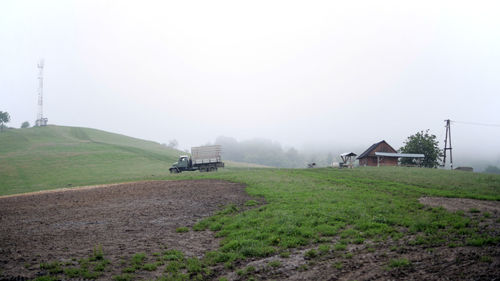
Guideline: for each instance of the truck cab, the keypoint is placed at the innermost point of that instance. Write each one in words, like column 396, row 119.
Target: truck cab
column 183, row 164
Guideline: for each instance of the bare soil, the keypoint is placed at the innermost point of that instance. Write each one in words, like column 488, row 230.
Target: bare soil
column 463, row 204
column 125, row 219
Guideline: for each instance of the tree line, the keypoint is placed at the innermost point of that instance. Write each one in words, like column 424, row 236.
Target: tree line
column 5, row 118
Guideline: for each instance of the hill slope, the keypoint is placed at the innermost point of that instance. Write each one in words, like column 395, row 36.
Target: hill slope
column 56, row 156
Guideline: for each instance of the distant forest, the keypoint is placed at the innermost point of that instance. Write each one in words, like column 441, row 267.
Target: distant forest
column 269, row 153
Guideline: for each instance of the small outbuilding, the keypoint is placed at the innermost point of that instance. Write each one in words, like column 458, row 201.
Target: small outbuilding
column 347, row 159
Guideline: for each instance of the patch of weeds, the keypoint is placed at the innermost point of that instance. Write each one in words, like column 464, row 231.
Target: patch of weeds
column 201, row 225
column 229, row 209
column 52, row 268
column 324, row 249
column 340, row 247
column 274, row 263
column 176, row 277
column 100, row 266
column 135, row 263
column 181, row 229
column 285, row 254
column 215, row 226
column 348, row 255
column 338, row 265
column 46, row 278
column 228, row 265
column 97, row 254
column 171, row 255
column 193, row 265
column 474, row 211
column 311, row 254
column 250, row 269
column 123, row 277
column 487, row 215
column 486, row 259
column 397, row 263
column 302, row 267
column 481, row 241
column 419, row 240
column 370, row 249
column 251, row 203
column 150, row 266
column 138, row 258
column 173, row 267
column 130, row 269
column 223, row 279
column 72, row 272
column 358, row 240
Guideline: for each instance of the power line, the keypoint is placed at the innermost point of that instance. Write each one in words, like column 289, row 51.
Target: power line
column 476, row 124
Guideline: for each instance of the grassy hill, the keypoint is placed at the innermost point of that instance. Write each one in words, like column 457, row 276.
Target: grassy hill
column 55, row 156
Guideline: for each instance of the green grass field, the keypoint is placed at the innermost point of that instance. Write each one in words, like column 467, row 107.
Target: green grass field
column 312, row 205
column 50, row 157
column 303, row 207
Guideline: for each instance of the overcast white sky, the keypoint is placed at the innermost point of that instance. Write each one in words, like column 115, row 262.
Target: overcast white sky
column 297, row 72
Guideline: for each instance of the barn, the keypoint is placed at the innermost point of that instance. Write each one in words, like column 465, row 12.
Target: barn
column 369, row 158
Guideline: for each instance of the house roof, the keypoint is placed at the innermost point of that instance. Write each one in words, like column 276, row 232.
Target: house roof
column 348, row 154
column 398, row 155
column 371, row 148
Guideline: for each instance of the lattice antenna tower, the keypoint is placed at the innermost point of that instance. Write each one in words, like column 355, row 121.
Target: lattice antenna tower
column 40, row 121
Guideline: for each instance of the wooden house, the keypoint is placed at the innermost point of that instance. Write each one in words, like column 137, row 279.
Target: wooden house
column 369, row 158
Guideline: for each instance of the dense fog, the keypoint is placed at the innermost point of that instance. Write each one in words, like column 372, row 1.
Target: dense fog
column 299, row 81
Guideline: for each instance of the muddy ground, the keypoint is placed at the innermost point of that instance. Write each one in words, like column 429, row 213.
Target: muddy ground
column 125, row 219
column 143, row 217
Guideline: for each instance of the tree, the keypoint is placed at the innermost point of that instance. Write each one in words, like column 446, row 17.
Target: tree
column 492, row 170
column 422, row 143
column 25, row 124
column 173, row 143
column 4, row 118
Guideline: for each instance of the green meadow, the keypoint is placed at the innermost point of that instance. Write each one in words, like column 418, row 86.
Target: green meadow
column 310, row 206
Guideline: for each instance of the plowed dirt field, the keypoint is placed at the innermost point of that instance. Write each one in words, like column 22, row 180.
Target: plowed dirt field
column 124, row 219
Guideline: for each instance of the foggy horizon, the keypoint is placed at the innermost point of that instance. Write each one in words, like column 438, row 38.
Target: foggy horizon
column 315, row 75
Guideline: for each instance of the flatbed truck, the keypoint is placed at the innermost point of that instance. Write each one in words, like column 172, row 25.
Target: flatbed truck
column 203, row 158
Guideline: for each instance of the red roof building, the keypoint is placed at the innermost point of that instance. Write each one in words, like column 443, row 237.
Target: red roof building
column 368, row 158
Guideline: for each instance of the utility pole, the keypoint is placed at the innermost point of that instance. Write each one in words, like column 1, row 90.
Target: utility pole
column 447, row 143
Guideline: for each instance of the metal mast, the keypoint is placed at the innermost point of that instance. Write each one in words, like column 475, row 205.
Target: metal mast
column 40, row 121
column 447, row 140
